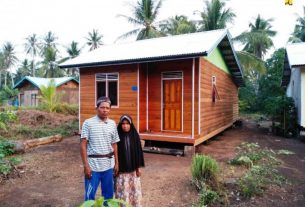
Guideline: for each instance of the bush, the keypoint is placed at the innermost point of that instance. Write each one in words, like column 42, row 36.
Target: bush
column 7, row 117
column 71, row 109
column 204, row 170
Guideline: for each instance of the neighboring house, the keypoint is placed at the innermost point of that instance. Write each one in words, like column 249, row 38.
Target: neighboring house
column 29, row 89
column 294, row 78
column 180, row 88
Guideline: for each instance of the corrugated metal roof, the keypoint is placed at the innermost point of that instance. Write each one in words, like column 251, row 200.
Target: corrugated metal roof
column 38, row 82
column 164, row 48
column 195, row 43
column 294, row 57
column 296, row 54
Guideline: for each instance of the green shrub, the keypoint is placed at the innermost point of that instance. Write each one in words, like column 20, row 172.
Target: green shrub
column 7, row 117
column 71, row 109
column 204, row 170
column 6, row 148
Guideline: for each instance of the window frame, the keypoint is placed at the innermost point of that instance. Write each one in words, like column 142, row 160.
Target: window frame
column 107, row 80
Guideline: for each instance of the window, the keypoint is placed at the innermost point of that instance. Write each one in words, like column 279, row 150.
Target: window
column 107, row 85
column 33, row 99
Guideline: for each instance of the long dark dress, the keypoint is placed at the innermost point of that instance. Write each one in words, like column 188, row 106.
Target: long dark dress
column 130, row 156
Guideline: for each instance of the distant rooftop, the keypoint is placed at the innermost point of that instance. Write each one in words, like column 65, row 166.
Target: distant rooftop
column 38, row 82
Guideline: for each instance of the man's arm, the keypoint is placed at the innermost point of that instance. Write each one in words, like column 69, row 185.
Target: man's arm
column 83, row 153
column 116, row 163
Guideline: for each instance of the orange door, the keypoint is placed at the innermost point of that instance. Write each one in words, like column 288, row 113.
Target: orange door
column 172, row 104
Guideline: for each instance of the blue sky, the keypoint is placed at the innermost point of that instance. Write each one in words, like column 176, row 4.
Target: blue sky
column 72, row 20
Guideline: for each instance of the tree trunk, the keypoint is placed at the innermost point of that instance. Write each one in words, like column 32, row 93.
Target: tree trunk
column 21, row 147
column 5, row 77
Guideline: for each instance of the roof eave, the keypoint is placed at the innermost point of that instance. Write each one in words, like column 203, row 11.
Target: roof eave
column 138, row 60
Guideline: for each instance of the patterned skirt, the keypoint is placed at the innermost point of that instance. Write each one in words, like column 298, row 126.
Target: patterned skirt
column 128, row 188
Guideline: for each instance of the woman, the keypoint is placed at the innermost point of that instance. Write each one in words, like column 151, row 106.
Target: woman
column 130, row 156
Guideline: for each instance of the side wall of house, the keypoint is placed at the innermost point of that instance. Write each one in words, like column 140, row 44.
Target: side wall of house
column 216, row 116
column 127, row 97
column 70, row 92
column 294, row 90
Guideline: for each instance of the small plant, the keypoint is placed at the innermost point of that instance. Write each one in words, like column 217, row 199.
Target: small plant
column 204, row 170
column 5, row 118
column 49, row 97
column 101, row 202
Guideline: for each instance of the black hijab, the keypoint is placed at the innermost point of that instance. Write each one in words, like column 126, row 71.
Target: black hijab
column 130, row 152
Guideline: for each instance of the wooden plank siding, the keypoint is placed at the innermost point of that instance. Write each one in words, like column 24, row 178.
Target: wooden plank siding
column 70, row 92
column 155, row 92
column 219, row 115
column 143, row 97
column 127, row 97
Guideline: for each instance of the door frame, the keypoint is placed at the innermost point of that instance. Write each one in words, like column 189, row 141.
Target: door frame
column 182, row 98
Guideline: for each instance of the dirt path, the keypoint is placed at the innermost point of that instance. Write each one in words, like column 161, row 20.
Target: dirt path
column 53, row 174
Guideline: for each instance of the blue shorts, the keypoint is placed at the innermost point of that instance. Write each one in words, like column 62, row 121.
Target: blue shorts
column 107, row 185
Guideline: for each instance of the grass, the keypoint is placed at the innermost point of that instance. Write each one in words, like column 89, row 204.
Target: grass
column 262, row 171
column 23, row 131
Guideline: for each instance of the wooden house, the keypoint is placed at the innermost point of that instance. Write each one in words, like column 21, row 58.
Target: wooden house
column 180, row 88
column 29, row 89
column 294, row 79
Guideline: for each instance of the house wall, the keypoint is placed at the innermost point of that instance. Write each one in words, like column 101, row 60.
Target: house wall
column 302, row 106
column 155, row 93
column 25, row 93
column 216, row 116
column 294, row 91
column 70, row 92
column 127, row 97
column 143, row 68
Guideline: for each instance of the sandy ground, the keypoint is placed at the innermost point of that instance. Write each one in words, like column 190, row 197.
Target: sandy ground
column 53, row 174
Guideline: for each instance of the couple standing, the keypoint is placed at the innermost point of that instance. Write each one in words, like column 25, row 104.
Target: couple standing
column 107, row 150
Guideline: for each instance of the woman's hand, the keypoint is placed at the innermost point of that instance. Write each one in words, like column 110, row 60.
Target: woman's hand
column 138, row 172
column 116, row 169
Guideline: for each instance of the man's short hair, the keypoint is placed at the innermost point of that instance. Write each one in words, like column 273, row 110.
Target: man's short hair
column 103, row 99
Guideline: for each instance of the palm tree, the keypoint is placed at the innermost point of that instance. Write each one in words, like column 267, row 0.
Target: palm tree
column 1, row 67
column 144, row 15
column 32, row 47
column 215, row 16
column 258, row 39
column 24, row 69
column 49, row 41
column 73, row 52
column 9, row 60
column 298, row 34
column 178, row 25
column 94, row 40
column 50, row 63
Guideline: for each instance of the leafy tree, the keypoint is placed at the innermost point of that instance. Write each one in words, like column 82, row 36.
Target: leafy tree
column 178, row 25
column 215, row 16
column 73, row 52
column 50, row 63
column 25, row 69
column 298, row 34
column 94, row 40
column 32, row 47
column 144, row 15
column 49, row 41
column 258, row 39
column 270, row 83
column 50, row 99
column 9, row 60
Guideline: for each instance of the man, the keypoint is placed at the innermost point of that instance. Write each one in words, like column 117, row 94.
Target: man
column 99, row 139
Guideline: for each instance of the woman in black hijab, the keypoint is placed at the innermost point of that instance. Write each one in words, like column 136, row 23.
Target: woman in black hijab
column 130, row 156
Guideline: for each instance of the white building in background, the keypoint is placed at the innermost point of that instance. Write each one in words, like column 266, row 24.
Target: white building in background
column 294, row 77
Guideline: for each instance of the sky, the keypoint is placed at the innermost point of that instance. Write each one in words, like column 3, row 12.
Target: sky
column 73, row 19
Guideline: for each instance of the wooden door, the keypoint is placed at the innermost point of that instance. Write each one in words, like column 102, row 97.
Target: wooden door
column 172, row 104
